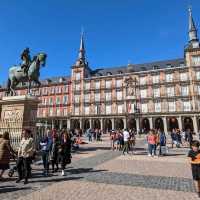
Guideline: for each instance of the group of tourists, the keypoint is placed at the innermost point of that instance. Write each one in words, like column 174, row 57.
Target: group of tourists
column 54, row 149
column 94, row 134
column 123, row 140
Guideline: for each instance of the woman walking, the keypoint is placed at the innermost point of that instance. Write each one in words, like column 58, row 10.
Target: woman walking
column 25, row 152
column 65, row 152
column 54, row 154
column 194, row 155
column 5, row 153
column 151, row 139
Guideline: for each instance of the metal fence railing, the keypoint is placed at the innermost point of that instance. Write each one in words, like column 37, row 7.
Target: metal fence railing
column 14, row 129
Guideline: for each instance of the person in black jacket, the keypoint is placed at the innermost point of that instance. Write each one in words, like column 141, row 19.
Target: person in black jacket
column 65, row 151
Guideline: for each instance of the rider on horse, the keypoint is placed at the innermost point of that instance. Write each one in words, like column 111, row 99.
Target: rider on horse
column 26, row 59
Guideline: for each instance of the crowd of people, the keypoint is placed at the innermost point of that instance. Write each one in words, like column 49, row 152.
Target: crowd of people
column 54, row 149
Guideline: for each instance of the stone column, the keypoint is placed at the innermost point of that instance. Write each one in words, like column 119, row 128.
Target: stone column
column 60, row 124
column 46, row 124
column 81, row 123
column 151, row 122
column 125, row 124
column 137, row 124
column 90, row 120
column 113, row 123
column 165, row 125
column 101, row 124
column 194, row 119
column 68, row 124
column 180, row 123
column 52, row 124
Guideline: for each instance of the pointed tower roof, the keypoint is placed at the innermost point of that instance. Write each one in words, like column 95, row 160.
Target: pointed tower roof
column 192, row 26
column 81, row 56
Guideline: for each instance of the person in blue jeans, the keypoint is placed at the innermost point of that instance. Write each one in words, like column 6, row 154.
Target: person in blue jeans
column 46, row 145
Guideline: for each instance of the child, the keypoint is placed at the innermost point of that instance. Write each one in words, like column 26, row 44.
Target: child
column 194, row 155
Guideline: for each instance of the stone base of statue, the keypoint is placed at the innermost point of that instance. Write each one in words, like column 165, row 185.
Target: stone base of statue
column 17, row 113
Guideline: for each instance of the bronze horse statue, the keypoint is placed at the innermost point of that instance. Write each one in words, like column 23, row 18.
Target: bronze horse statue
column 17, row 75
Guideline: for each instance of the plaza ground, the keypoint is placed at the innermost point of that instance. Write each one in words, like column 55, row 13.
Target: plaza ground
column 97, row 173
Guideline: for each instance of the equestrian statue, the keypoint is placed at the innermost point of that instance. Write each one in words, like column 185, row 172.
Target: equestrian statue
column 28, row 71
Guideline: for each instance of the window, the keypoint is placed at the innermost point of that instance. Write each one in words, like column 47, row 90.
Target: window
column 51, row 111
column 65, row 111
column 65, row 88
column 97, row 96
column 87, row 85
column 57, row 100
column 57, row 90
column 170, row 91
column 108, row 84
column 157, row 107
column 87, row 97
column 119, row 95
column 76, row 110
column 156, row 92
column 87, row 110
column 183, row 76
column 198, row 75
column 196, row 60
column 144, row 108
column 172, row 106
column 120, row 108
column 169, row 77
column 77, row 87
column 44, row 113
column 186, row 106
column 97, row 84
column 77, row 76
column 143, row 93
column 58, row 111
column 182, row 65
column 142, row 80
column 156, row 79
column 108, row 96
column 185, row 90
column 50, row 101
column 65, row 99
column 119, row 83
column 77, row 98
column 97, row 109
column 108, row 109
column 52, row 90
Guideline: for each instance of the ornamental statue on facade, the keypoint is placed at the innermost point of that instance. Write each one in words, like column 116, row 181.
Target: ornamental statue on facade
column 28, row 71
column 130, row 86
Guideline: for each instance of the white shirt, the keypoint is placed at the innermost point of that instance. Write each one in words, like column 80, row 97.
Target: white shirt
column 126, row 136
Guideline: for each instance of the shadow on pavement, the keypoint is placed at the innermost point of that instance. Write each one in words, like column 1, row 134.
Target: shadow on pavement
column 7, row 189
column 83, row 170
column 64, row 178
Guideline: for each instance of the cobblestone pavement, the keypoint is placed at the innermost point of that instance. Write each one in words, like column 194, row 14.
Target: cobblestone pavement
column 99, row 173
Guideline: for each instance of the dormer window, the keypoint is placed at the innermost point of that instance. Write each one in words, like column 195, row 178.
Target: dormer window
column 61, row 80
column 182, row 65
column 109, row 73
column 169, row 65
column 143, row 68
column 120, row 72
column 156, row 67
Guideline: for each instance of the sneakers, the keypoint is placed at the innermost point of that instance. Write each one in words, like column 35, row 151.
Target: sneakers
column 149, row 155
column 18, row 180
column 63, row 173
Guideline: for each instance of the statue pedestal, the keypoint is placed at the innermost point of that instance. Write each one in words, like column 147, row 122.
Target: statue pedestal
column 17, row 113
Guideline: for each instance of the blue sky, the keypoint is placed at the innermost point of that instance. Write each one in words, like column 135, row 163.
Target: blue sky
column 116, row 31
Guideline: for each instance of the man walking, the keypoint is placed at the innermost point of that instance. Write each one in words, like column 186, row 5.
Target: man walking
column 126, row 137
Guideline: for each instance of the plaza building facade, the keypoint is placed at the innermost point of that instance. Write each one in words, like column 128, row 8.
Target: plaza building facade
column 163, row 94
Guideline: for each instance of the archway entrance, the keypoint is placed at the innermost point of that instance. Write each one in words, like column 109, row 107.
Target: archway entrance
column 86, row 124
column 159, row 124
column 188, row 123
column 119, row 124
column 131, row 124
column 97, row 124
column 145, row 125
column 108, row 124
column 173, row 123
column 75, row 124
